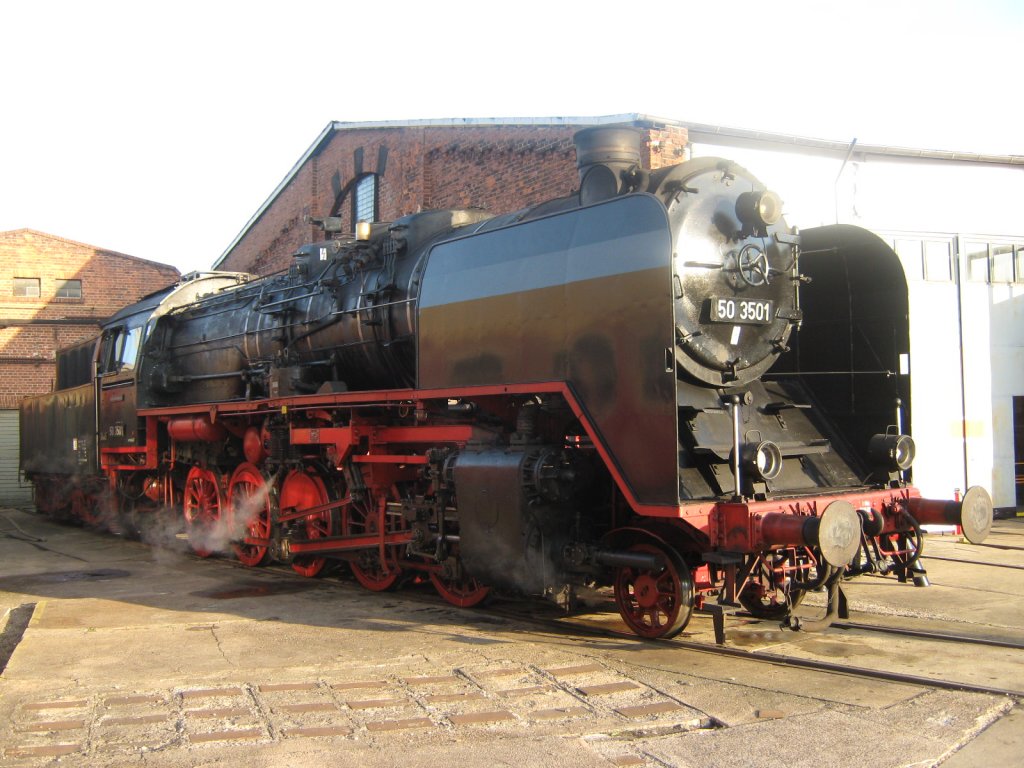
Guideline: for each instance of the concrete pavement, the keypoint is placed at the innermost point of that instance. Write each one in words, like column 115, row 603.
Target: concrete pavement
column 133, row 655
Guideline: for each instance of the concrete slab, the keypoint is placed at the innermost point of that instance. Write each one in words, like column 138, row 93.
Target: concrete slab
column 135, row 656
column 1000, row 744
column 825, row 739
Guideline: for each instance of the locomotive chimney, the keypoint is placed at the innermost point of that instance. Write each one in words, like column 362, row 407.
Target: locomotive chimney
column 608, row 161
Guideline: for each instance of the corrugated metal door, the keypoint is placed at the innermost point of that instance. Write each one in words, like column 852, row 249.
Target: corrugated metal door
column 13, row 490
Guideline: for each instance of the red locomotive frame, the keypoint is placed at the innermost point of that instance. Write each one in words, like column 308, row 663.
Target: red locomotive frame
column 765, row 539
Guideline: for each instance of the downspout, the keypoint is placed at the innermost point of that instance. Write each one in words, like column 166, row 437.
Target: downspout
column 96, row 394
column 960, row 334
column 835, row 186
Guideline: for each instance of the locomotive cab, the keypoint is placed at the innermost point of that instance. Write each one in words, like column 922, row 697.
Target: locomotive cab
column 117, row 359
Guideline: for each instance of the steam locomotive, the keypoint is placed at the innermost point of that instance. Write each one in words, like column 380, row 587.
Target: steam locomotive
column 574, row 395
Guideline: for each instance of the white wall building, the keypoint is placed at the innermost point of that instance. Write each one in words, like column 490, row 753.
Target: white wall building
column 957, row 222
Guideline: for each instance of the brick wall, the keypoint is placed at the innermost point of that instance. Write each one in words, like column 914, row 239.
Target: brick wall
column 500, row 168
column 664, row 147
column 502, row 173
column 32, row 329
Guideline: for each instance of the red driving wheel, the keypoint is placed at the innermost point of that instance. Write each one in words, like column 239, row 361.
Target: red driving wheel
column 361, row 519
column 306, row 489
column 252, row 499
column 202, row 503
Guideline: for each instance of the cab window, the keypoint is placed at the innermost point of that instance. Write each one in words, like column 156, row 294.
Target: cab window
column 129, row 351
column 121, row 348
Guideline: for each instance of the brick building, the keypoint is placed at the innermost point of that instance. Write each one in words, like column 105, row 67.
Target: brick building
column 54, row 292
column 382, row 171
column 962, row 254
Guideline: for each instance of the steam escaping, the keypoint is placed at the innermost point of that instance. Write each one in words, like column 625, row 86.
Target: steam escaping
column 163, row 530
column 221, row 529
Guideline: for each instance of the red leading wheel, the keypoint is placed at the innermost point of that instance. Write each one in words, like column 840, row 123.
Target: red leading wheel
column 770, row 592
column 656, row 602
column 252, row 499
column 305, row 489
column 202, row 503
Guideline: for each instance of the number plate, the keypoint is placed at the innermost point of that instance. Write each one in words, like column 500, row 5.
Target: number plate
column 748, row 311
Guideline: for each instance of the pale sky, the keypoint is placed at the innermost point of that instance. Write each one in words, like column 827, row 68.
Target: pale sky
column 158, row 130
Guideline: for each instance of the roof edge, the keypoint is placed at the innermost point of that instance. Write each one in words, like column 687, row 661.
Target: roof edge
column 96, row 248
column 336, row 125
column 713, row 134
column 700, row 132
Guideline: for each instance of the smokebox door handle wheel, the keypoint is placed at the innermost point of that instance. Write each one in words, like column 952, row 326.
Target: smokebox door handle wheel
column 655, row 603
column 252, row 497
column 203, row 503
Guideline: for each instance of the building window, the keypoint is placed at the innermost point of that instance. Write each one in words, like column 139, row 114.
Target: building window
column 977, row 262
column 26, row 286
column 1002, row 263
column 69, row 289
column 910, row 252
column 364, row 202
column 1020, row 262
column 937, row 262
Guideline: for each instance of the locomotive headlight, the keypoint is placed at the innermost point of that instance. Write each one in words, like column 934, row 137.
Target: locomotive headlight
column 363, row 229
column 893, row 452
column 759, row 209
column 769, row 208
column 764, row 459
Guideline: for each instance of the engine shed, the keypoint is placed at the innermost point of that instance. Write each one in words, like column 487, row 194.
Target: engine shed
column 960, row 377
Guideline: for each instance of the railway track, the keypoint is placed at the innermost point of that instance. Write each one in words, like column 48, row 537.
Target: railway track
column 530, row 613
column 849, row 669
column 926, row 635
column 1006, row 547
column 770, row 657
column 975, row 562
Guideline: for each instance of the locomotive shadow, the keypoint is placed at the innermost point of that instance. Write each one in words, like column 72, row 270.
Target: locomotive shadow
column 41, row 560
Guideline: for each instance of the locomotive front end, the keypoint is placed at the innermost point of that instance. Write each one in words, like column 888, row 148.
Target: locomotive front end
column 788, row 502
column 736, row 276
